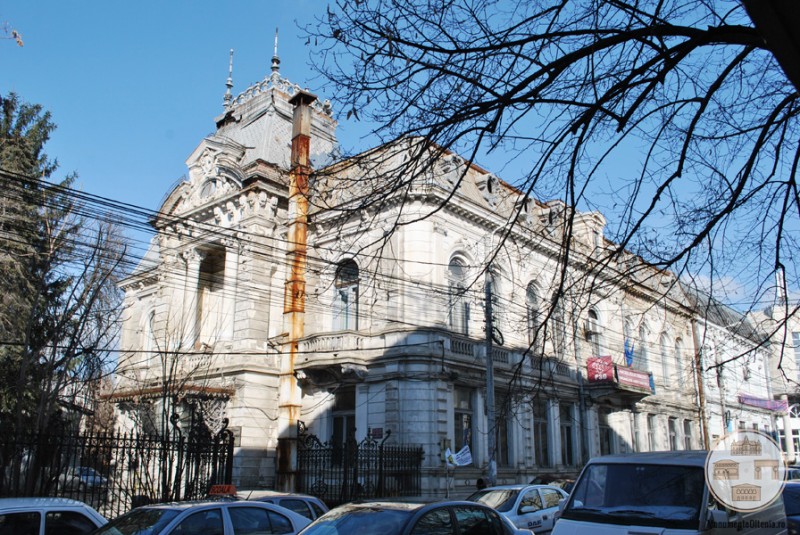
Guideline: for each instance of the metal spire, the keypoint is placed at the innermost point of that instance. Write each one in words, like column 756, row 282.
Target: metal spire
column 229, row 83
column 276, row 61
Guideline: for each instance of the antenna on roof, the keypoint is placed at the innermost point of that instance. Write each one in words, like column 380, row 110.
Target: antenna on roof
column 229, row 84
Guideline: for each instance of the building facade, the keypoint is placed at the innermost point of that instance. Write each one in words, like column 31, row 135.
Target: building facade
column 591, row 352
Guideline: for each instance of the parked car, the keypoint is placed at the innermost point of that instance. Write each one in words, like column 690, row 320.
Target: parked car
column 657, row 492
column 398, row 518
column 206, row 518
column 791, row 504
column 45, row 516
column 82, row 478
column 792, row 472
column 532, row 507
column 310, row 507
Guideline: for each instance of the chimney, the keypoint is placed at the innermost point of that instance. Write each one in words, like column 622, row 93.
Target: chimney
column 294, row 296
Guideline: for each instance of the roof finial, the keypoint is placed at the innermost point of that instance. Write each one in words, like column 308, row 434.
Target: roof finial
column 276, row 61
column 229, row 83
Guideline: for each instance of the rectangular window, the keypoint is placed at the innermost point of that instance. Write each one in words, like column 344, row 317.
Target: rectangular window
column 344, row 421
column 210, row 295
column 540, row 433
column 651, row 432
column 796, row 346
column 502, row 441
column 567, row 434
column 463, row 417
column 673, row 434
column 606, row 437
column 687, row 434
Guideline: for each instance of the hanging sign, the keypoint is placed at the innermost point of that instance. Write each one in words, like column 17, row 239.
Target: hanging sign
column 600, row 369
column 462, row 458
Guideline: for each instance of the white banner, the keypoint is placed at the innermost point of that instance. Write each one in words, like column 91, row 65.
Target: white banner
column 462, row 458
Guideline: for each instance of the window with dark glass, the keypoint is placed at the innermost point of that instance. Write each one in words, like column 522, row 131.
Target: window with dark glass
column 502, row 440
column 66, row 523
column 344, row 420
column 593, row 333
column 567, row 434
column 673, row 433
column 606, row 436
column 210, row 295
column 687, row 434
column 540, row 433
column 436, row 522
column 345, row 304
column 458, row 306
column 463, row 417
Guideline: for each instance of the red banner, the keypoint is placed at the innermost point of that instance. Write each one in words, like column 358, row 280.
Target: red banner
column 636, row 378
column 599, row 369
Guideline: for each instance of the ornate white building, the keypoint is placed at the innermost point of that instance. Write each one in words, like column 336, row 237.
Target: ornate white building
column 393, row 337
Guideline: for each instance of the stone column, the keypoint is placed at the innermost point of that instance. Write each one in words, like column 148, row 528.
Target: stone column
column 554, row 423
column 230, row 285
column 189, row 317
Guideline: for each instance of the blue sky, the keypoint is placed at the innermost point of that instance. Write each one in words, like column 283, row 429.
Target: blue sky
column 135, row 86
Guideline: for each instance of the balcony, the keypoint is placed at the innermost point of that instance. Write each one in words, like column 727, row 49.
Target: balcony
column 606, row 380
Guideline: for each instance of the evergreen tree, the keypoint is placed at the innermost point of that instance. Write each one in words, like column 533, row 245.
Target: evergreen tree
column 58, row 274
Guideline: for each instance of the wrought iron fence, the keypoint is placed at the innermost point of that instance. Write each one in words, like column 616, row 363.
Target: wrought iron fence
column 348, row 471
column 115, row 472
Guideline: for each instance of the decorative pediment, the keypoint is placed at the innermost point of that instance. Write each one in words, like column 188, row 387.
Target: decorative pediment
column 214, row 173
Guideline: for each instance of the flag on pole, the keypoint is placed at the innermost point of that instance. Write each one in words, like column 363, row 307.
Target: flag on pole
column 628, row 352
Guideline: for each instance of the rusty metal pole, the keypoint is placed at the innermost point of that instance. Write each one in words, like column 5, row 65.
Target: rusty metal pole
column 294, row 295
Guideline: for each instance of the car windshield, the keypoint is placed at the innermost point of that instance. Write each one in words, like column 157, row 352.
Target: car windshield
column 498, row 499
column 791, row 499
column 143, row 521
column 654, row 495
column 363, row 521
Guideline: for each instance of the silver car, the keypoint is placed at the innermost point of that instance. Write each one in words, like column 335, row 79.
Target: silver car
column 206, row 518
column 531, row 507
column 42, row 516
column 310, row 507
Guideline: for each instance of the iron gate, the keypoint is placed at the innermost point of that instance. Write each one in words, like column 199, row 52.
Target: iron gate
column 115, row 472
column 343, row 472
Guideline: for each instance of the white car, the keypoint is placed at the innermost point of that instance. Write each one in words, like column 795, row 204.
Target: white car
column 310, row 507
column 531, row 507
column 206, row 518
column 40, row 516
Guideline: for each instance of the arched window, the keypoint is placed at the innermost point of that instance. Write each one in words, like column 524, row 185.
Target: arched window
column 345, row 305
column 663, row 346
column 532, row 313
column 642, row 356
column 629, row 344
column 594, row 333
column 458, row 305
column 149, row 332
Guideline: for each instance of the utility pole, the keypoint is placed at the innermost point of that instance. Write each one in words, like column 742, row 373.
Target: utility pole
column 490, row 415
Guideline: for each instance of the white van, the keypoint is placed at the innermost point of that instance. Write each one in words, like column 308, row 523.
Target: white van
column 662, row 493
